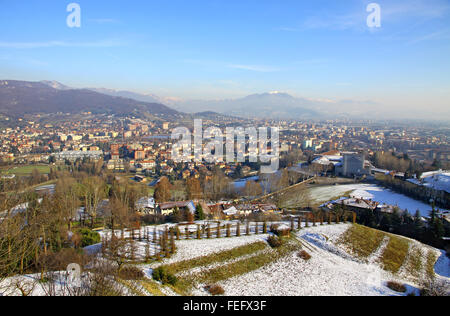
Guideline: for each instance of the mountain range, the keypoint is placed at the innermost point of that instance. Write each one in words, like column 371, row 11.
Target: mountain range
column 266, row 105
column 276, row 105
column 23, row 97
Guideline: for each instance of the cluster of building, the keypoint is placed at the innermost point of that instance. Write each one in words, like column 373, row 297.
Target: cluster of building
column 221, row 210
column 345, row 164
column 357, row 204
column 144, row 146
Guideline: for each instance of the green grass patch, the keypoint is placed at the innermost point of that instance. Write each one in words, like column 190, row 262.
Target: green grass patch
column 318, row 202
column 247, row 265
column 237, row 268
column 152, row 287
column 395, row 253
column 27, row 170
column 131, row 287
column 231, row 254
column 361, row 240
column 414, row 264
column 431, row 261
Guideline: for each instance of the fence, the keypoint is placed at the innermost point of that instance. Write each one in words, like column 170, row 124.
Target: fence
column 144, row 245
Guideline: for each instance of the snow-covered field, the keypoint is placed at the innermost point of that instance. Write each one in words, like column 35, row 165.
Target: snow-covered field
column 188, row 249
column 373, row 192
column 439, row 180
column 326, row 273
column 330, row 271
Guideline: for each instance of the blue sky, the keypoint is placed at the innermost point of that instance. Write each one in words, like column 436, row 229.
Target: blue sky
column 227, row 49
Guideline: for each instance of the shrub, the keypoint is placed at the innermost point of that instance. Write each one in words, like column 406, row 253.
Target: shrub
column 274, row 241
column 57, row 261
column 89, row 237
column 397, row 287
column 304, row 255
column 215, row 289
column 280, row 230
column 160, row 274
column 131, row 273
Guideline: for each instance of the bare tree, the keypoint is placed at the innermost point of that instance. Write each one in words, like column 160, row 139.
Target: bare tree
column 93, row 190
column 194, row 189
column 162, row 190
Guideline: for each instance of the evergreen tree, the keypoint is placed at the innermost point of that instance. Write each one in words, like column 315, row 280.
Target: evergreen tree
column 396, row 219
column 418, row 226
column 199, row 214
column 435, row 229
column 386, row 223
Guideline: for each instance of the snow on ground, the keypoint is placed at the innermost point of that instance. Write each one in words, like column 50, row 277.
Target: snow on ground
column 373, row 192
column 442, row 267
column 324, row 237
column 326, row 273
column 9, row 287
column 330, row 271
column 192, row 247
column 33, row 287
column 439, row 180
column 323, row 194
column 374, row 257
column 214, row 265
column 189, row 249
